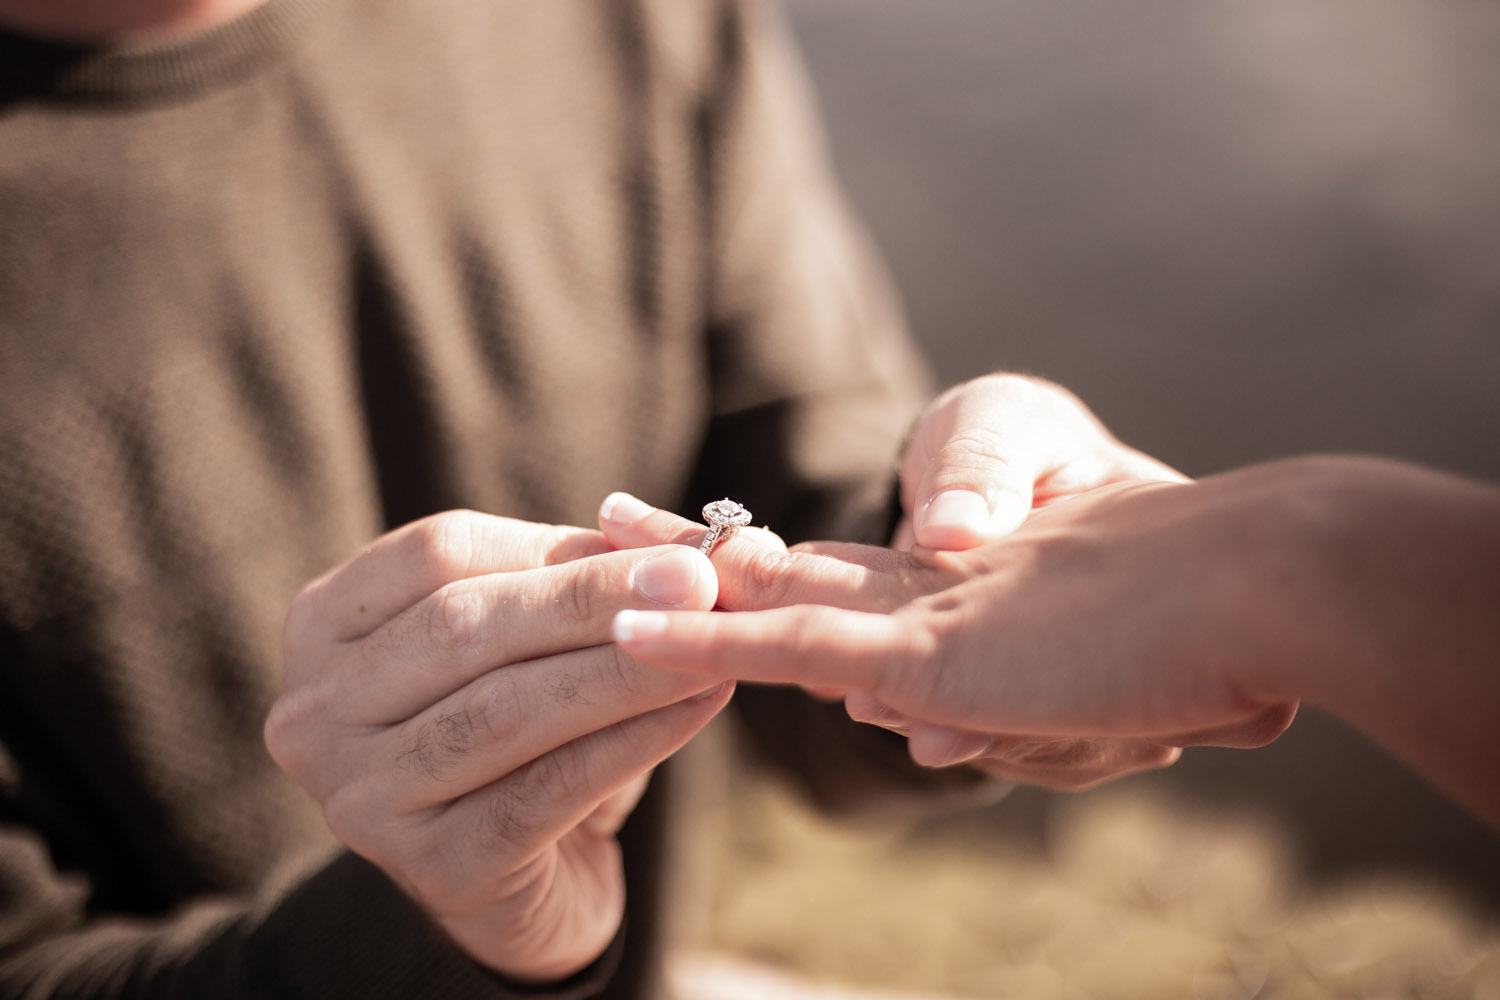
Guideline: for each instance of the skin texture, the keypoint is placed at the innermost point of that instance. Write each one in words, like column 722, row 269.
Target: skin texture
column 453, row 702
column 903, row 617
column 982, row 458
column 114, row 21
column 987, row 452
column 1142, row 615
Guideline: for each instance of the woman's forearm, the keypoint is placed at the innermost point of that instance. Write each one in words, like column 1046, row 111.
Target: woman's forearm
column 1408, row 561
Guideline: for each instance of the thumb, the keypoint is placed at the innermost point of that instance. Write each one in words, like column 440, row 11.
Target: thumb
column 969, row 494
column 968, row 472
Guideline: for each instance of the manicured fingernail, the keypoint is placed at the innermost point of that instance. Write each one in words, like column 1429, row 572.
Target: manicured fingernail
column 623, row 509
column 670, row 578
column 638, row 626
column 963, row 509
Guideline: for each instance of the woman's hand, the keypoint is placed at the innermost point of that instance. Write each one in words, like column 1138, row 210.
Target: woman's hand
column 987, row 452
column 1062, row 655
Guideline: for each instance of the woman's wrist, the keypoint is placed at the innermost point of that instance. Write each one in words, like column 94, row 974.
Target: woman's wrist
column 1282, row 580
column 1388, row 582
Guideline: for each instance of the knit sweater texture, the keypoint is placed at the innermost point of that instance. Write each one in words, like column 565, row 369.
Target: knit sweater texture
column 272, row 290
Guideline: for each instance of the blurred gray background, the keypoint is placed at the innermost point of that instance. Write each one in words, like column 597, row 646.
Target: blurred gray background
column 1239, row 230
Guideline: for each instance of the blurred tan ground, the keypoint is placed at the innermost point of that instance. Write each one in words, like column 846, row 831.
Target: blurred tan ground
column 1130, row 897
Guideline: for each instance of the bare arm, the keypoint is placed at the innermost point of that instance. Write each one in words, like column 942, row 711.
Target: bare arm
column 1413, row 558
column 1171, row 614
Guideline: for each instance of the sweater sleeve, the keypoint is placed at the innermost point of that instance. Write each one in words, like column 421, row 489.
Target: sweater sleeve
column 342, row 929
column 816, row 382
column 814, row 378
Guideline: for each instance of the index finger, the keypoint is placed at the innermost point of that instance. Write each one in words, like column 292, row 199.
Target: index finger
column 808, row 645
column 755, row 575
column 404, row 566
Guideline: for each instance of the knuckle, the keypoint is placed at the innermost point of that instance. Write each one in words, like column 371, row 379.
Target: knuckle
column 509, row 821
column 617, row 671
column 580, row 598
column 455, row 619
column 638, row 740
column 560, row 776
column 420, row 752
column 488, row 716
column 972, row 449
column 563, row 544
column 279, row 734
column 516, row 814
column 770, row 574
column 287, row 731
column 302, row 629
column 569, row 689
column 454, row 732
column 498, row 707
column 436, row 745
column 446, row 543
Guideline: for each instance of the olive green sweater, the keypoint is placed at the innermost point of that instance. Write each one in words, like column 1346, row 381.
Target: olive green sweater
column 270, row 291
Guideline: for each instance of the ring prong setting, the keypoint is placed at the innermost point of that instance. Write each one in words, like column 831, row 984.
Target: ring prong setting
column 723, row 516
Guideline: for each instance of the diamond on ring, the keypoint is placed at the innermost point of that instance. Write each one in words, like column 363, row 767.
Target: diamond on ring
column 723, row 516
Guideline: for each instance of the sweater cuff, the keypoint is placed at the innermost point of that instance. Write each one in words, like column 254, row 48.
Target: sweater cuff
column 347, row 930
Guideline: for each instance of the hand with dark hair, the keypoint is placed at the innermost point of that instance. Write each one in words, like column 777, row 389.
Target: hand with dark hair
column 454, row 705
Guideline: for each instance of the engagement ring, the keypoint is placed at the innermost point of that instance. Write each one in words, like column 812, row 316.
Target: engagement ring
column 723, row 517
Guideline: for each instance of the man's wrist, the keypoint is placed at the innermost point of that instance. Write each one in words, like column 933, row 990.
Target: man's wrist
column 586, row 982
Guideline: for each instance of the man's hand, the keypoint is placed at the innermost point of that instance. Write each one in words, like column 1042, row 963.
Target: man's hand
column 987, row 451
column 1063, row 655
column 454, row 703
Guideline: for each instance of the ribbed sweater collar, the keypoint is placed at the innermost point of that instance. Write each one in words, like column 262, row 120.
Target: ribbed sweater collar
column 166, row 71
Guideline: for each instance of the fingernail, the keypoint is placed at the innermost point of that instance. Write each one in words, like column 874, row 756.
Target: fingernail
column 623, row 509
column 638, row 626
column 863, row 707
column 670, row 578
column 956, row 509
column 711, row 693
column 965, row 747
column 887, row 718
